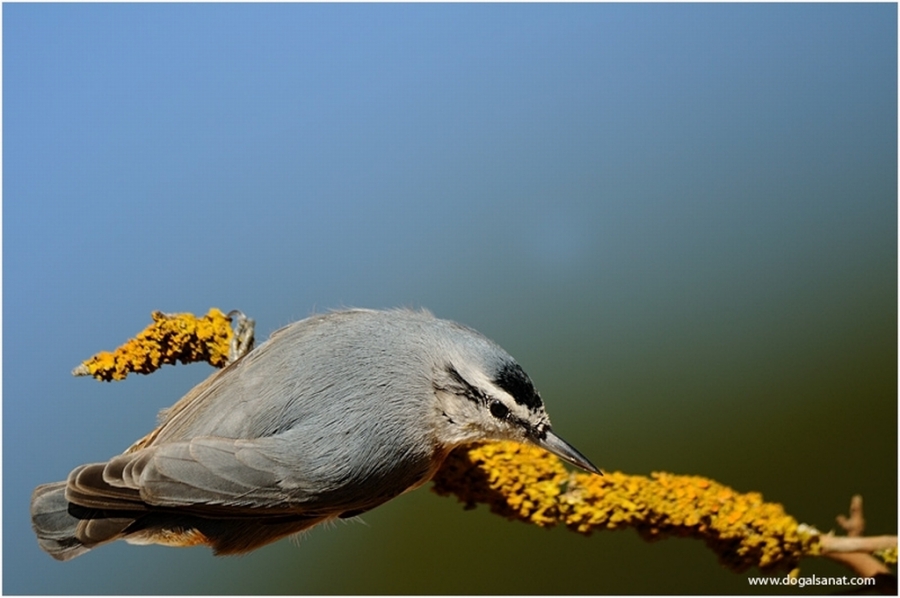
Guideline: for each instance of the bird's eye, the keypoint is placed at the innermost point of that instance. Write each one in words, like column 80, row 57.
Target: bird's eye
column 499, row 410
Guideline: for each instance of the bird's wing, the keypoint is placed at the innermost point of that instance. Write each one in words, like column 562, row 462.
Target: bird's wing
column 220, row 476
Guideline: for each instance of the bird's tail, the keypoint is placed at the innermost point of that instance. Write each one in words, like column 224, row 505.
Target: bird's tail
column 66, row 530
column 61, row 533
column 54, row 526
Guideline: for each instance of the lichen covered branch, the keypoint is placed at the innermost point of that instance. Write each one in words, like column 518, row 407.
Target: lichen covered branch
column 169, row 339
column 529, row 484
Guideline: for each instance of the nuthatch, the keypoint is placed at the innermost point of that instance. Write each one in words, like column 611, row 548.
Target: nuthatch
column 332, row 416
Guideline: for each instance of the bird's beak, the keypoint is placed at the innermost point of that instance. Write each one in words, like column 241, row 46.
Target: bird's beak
column 565, row 451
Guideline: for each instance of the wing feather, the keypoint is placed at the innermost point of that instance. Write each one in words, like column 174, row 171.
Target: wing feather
column 203, row 471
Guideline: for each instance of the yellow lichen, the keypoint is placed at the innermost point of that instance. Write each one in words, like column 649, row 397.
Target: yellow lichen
column 529, row 484
column 887, row 555
column 169, row 339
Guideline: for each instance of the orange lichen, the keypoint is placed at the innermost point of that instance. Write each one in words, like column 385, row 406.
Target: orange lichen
column 529, row 484
column 169, row 339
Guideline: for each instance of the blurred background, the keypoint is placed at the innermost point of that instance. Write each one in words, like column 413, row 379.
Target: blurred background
column 680, row 219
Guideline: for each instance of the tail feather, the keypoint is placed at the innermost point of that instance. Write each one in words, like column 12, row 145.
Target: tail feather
column 66, row 530
column 55, row 526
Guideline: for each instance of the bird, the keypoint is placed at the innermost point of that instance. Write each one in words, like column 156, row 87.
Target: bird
column 332, row 416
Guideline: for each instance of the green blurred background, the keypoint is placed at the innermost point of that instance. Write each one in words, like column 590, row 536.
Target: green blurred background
column 680, row 219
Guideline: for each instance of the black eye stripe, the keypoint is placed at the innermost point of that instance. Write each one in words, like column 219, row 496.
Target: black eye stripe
column 469, row 391
column 497, row 408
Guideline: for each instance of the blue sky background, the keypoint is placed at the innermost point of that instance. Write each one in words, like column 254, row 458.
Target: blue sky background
column 681, row 219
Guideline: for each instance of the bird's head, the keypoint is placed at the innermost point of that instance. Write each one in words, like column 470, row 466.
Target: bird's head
column 483, row 394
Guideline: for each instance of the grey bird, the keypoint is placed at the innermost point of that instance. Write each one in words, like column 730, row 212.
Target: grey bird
column 332, row 416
